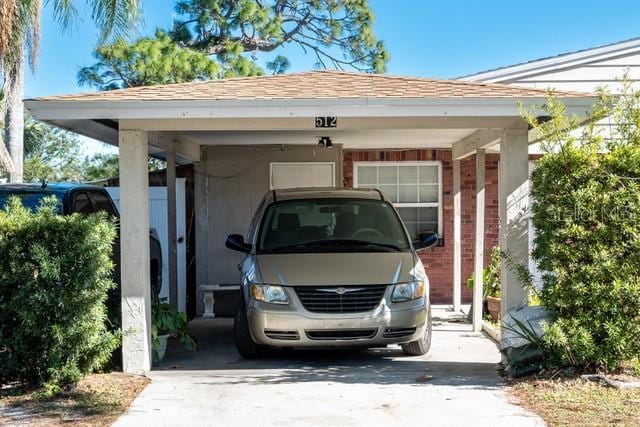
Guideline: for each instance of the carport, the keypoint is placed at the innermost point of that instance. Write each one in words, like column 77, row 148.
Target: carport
column 233, row 129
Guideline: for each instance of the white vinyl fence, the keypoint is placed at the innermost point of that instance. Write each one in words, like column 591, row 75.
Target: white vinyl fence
column 158, row 220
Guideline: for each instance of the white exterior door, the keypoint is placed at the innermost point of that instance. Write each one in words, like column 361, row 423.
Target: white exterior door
column 158, row 220
column 302, row 174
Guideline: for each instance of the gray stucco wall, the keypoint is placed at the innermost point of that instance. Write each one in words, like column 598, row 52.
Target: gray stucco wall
column 229, row 184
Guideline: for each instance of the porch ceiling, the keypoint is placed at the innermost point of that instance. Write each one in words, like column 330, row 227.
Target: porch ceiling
column 349, row 139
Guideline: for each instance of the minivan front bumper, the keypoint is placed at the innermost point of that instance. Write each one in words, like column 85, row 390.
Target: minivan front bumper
column 292, row 325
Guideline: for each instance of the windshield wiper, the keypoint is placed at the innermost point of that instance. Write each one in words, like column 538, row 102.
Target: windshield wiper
column 344, row 243
column 353, row 242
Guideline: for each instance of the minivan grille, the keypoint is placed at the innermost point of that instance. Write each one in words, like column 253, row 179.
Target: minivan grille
column 340, row 299
column 341, row 334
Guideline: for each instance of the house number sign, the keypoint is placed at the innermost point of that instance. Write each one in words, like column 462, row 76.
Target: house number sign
column 327, row 122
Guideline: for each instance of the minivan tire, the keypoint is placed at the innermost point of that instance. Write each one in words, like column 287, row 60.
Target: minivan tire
column 246, row 346
column 421, row 346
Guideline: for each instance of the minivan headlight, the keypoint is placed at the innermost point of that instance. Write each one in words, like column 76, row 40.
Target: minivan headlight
column 407, row 291
column 269, row 293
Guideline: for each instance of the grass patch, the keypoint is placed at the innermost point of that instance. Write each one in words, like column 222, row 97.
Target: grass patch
column 97, row 400
column 574, row 401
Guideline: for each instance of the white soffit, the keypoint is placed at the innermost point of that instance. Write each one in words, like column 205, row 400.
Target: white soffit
column 357, row 139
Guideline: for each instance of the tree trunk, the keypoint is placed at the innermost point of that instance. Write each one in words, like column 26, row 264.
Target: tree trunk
column 14, row 118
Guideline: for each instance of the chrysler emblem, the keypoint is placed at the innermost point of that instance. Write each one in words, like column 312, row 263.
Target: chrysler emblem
column 340, row 290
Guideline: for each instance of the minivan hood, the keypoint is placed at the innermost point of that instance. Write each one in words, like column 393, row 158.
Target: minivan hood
column 336, row 268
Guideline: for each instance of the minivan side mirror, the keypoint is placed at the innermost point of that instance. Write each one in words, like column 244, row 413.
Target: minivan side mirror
column 236, row 243
column 425, row 240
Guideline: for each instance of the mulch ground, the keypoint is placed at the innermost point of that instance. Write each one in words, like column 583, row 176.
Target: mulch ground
column 577, row 402
column 97, row 400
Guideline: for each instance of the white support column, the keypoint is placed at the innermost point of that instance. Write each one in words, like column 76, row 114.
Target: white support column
column 457, row 242
column 479, row 246
column 514, row 214
column 172, row 256
column 134, row 241
column 201, row 201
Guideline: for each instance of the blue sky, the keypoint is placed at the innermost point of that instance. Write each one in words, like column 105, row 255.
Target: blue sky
column 444, row 38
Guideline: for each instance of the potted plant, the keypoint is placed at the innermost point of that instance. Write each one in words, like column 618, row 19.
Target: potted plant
column 167, row 322
column 491, row 285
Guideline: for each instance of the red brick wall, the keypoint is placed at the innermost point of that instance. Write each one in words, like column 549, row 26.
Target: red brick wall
column 439, row 260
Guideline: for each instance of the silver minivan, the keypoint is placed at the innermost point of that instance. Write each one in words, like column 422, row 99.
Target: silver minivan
column 331, row 267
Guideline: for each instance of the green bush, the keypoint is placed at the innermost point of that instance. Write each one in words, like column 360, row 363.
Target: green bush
column 55, row 273
column 586, row 210
column 490, row 276
column 166, row 320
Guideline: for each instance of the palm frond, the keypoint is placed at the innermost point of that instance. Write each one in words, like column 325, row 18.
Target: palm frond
column 32, row 36
column 64, row 12
column 116, row 17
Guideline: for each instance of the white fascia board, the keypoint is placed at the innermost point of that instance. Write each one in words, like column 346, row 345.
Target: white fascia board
column 554, row 63
column 367, row 107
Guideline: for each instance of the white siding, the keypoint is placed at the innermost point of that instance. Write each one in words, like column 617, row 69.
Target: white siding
column 582, row 77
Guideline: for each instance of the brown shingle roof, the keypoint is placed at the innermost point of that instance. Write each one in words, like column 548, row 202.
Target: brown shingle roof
column 313, row 85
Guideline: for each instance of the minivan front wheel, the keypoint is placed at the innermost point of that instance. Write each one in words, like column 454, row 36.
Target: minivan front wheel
column 246, row 346
column 421, row 346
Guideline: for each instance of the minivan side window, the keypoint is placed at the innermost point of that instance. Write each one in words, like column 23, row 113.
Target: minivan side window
column 82, row 204
column 102, row 203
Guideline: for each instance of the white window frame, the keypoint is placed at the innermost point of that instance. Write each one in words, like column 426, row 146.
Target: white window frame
column 410, row 205
column 332, row 164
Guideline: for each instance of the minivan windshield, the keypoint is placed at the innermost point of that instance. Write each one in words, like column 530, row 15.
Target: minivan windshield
column 331, row 225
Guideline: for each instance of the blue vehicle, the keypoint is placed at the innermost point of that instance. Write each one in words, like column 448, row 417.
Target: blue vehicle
column 87, row 199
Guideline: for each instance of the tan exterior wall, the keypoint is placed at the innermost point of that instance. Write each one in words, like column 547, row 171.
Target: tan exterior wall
column 233, row 181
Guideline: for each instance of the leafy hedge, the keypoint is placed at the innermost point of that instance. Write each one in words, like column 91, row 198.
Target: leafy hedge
column 586, row 211
column 55, row 273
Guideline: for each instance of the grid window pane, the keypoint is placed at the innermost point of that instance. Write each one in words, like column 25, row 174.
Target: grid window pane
column 387, row 175
column 428, row 214
column 408, row 214
column 408, row 174
column 429, row 175
column 412, row 185
column 367, row 175
column 408, row 193
column 428, row 194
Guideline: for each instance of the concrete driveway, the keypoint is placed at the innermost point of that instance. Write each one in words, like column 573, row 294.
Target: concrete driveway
column 456, row 384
